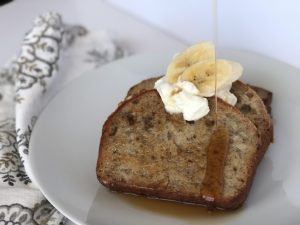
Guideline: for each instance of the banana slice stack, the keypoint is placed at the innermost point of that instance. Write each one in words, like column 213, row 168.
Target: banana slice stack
column 197, row 65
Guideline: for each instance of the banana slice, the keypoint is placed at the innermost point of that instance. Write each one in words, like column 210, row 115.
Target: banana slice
column 202, row 74
column 200, row 52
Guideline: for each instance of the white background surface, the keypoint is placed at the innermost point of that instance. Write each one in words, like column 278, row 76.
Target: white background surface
column 270, row 27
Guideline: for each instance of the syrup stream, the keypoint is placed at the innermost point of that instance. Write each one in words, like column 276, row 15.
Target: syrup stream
column 215, row 40
column 216, row 151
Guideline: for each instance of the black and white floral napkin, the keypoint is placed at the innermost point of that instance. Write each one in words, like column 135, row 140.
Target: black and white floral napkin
column 52, row 54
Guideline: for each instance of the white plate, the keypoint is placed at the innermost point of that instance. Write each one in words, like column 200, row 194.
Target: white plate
column 64, row 149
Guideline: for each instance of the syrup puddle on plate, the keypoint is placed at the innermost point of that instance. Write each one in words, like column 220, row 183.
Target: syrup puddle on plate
column 189, row 213
column 168, row 208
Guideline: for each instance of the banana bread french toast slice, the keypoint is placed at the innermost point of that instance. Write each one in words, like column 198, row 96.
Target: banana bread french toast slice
column 146, row 151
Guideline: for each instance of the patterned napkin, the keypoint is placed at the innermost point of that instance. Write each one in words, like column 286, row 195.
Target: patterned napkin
column 52, row 54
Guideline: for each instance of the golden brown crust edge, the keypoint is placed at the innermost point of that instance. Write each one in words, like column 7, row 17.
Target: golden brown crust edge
column 224, row 204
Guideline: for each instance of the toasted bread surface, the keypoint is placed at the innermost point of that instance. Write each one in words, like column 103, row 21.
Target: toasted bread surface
column 146, row 151
column 255, row 106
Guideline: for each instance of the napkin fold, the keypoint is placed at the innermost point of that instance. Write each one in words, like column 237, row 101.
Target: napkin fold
column 52, row 55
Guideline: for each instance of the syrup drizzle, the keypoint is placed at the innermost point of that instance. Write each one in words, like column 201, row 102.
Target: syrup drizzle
column 216, row 151
column 216, row 98
column 215, row 39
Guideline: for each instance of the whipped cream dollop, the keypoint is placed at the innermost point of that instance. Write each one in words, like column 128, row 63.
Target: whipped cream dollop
column 184, row 97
